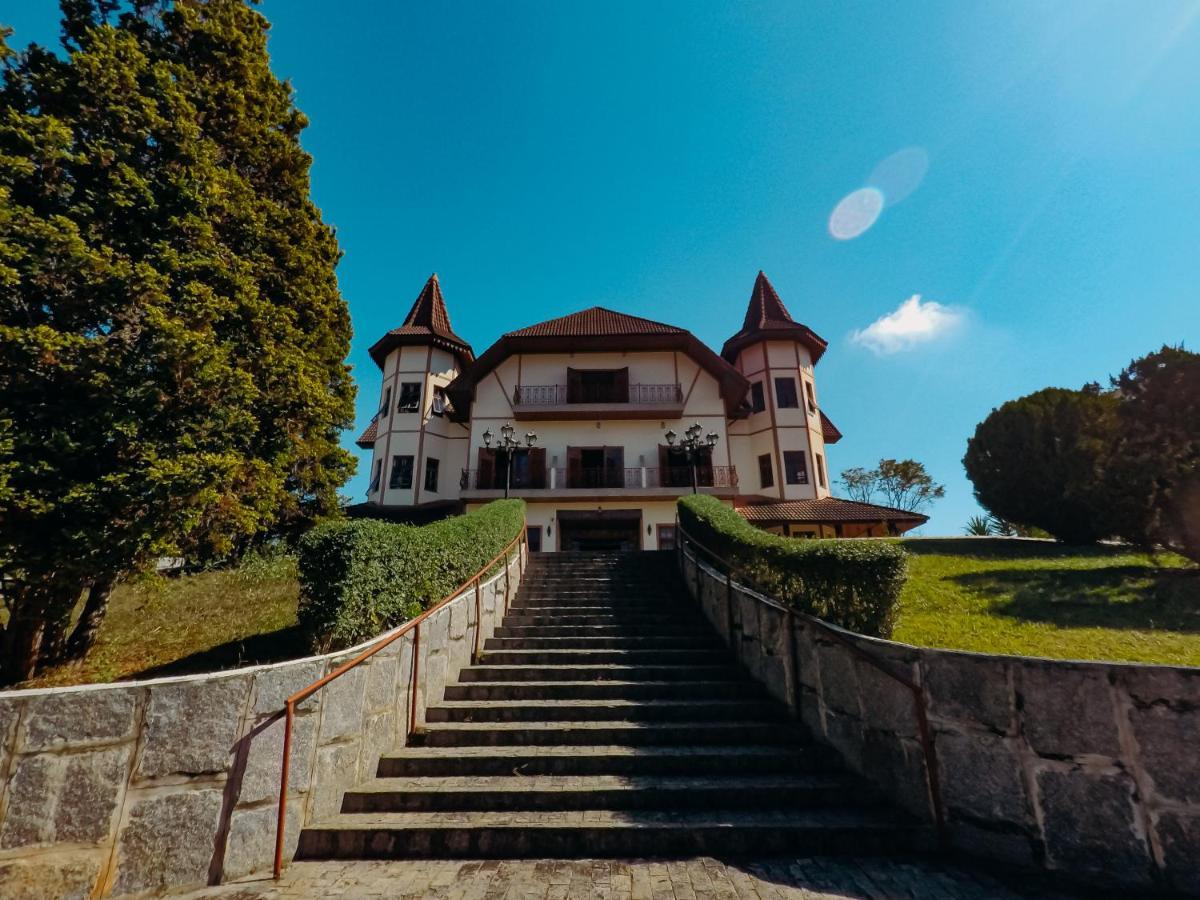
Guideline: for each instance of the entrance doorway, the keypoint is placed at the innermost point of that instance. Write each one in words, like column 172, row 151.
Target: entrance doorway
column 609, row 530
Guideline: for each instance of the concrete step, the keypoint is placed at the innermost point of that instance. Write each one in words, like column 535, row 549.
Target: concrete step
column 521, row 793
column 694, row 641
column 655, row 629
column 632, row 613
column 499, row 671
column 603, row 690
column 611, row 833
column 544, row 711
column 612, row 759
column 603, row 657
column 572, row 619
column 633, row 733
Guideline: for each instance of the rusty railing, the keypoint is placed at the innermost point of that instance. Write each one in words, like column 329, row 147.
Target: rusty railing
column 413, row 625
column 920, row 713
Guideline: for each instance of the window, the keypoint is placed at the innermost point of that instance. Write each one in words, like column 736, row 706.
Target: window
column 375, row 477
column 666, row 537
column 812, row 398
column 795, row 467
column 410, row 397
column 439, row 401
column 598, row 385
column 820, row 469
column 387, row 402
column 758, row 400
column 533, row 538
column 766, row 474
column 431, row 475
column 785, row 393
column 402, row 468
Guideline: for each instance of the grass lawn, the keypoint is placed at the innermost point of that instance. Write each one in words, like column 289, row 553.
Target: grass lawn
column 1037, row 598
column 193, row 623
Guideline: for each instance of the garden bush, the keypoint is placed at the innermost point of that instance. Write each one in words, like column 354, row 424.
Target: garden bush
column 852, row 583
column 360, row 577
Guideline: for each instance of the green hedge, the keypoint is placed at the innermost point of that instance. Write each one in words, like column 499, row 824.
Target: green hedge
column 360, row 577
column 852, row 583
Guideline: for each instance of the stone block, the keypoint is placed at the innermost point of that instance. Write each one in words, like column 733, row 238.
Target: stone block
column 342, row 705
column 1167, row 729
column 810, row 712
column 886, row 703
column 10, row 715
column 1015, row 846
column 1179, row 836
column 64, row 798
column 273, row 686
column 806, row 654
column 1089, row 824
column 462, row 616
column 969, row 687
column 980, row 776
column 191, row 726
column 80, row 717
column 168, row 841
column 379, row 736
column 839, row 678
column 1066, row 710
column 381, row 683
column 264, row 759
column 336, row 769
column 63, row 876
column 250, row 846
column 845, row 734
column 897, row 766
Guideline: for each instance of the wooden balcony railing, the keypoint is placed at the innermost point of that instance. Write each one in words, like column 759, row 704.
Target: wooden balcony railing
column 567, row 478
column 561, row 395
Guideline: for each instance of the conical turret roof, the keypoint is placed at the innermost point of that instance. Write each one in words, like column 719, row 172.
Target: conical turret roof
column 768, row 319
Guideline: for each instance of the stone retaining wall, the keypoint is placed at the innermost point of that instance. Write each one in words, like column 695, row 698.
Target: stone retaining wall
column 173, row 783
column 1087, row 769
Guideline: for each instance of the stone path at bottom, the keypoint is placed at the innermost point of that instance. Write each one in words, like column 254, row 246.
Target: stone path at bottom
column 810, row 878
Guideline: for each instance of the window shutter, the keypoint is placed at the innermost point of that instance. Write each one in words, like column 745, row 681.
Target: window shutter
column 614, row 467
column 574, row 467
column 574, row 386
column 486, row 475
column 537, row 467
column 621, row 389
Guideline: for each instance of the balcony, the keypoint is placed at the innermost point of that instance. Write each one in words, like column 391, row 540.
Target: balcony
column 597, row 401
column 566, row 482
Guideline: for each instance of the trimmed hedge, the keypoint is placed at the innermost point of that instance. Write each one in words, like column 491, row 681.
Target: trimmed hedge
column 852, row 583
column 361, row 577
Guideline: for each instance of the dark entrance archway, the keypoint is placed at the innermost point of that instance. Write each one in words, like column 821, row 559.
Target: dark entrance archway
column 607, row 530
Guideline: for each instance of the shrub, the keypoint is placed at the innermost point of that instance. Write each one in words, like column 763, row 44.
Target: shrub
column 360, row 577
column 852, row 583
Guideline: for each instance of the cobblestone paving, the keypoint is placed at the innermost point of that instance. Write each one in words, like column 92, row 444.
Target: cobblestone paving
column 810, row 878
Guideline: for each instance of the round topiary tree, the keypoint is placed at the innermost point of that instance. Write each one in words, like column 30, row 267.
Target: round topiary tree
column 1041, row 461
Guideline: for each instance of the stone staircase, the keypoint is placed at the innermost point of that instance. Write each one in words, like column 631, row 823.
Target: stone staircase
column 605, row 718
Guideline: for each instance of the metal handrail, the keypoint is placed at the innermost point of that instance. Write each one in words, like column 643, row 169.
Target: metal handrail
column 413, row 625
column 920, row 712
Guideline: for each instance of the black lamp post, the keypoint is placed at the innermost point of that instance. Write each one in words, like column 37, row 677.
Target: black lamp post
column 507, row 444
column 693, row 445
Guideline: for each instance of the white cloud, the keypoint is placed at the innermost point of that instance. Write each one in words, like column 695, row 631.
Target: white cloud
column 912, row 323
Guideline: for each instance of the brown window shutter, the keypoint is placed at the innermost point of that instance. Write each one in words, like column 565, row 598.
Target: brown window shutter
column 574, row 467
column 537, row 467
column 487, row 468
column 614, row 466
column 621, row 388
column 574, row 386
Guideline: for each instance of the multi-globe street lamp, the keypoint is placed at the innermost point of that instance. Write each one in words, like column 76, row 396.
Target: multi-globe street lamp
column 507, row 445
column 694, row 447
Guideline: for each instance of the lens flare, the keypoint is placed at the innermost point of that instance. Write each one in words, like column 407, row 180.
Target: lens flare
column 900, row 174
column 855, row 213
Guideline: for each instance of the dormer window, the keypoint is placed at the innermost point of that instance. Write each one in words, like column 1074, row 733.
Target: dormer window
column 785, row 393
column 387, row 402
column 439, row 402
column 812, row 398
column 758, row 400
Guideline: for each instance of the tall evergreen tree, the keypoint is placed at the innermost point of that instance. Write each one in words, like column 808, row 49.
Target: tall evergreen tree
column 172, row 337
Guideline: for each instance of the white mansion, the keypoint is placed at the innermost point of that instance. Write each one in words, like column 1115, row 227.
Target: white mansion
column 585, row 417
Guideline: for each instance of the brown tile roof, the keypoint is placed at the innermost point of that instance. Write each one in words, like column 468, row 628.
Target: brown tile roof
column 829, row 431
column 595, row 322
column 366, row 440
column 767, row 318
column 428, row 322
column 826, row 510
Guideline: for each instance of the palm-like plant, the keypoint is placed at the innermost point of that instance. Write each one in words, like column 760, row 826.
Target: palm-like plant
column 979, row 526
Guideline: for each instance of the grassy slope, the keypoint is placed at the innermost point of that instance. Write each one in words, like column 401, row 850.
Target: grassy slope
column 193, row 623
column 1037, row 598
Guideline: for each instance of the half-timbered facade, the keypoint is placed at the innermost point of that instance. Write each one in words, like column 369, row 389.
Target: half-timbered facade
column 601, row 390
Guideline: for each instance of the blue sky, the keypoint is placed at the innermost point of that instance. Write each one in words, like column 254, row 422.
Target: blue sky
column 652, row 157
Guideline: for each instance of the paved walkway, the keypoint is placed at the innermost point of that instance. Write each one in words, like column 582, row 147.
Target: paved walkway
column 696, row 879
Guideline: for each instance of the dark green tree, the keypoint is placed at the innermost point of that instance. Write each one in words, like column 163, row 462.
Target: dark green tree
column 172, row 337
column 1153, row 480
column 1040, row 461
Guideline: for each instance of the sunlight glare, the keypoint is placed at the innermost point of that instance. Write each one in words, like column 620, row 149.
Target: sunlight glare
column 855, row 213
